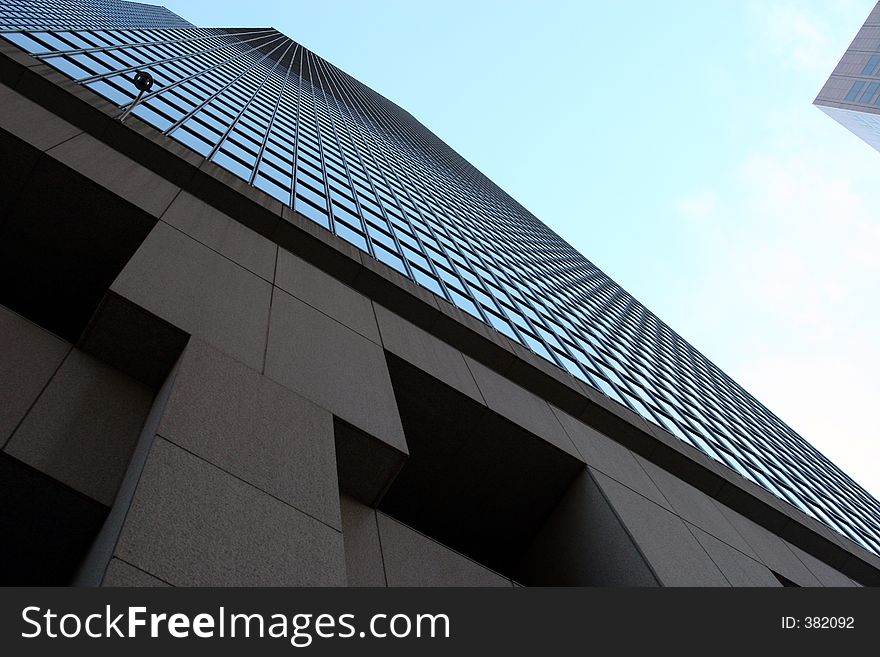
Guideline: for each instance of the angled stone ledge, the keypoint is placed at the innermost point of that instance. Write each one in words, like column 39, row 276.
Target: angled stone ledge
column 161, row 154
column 191, row 524
column 827, row 575
column 117, row 173
column 397, row 293
column 412, row 559
column 83, row 428
column 675, row 556
column 133, row 340
column 29, row 357
column 219, row 232
column 51, row 89
column 770, row 549
column 31, row 122
column 610, row 458
column 738, row 568
column 333, row 366
column 318, row 246
column 12, row 58
column 695, row 507
column 584, row 543
column 426, row 352
column 199, row 291
column 250, row 426
column 327, row 294
column 520, row 406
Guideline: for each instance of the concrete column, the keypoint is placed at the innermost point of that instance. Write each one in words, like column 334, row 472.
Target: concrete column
column 234, row 483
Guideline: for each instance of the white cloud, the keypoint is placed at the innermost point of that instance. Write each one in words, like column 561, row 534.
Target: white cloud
column 792, row 244
column 698, row 206
column 812, row 239
column 828, row 399
column 796, row 33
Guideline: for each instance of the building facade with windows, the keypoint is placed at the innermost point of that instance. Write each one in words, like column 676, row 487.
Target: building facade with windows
column 851, row 96
column 263, row 327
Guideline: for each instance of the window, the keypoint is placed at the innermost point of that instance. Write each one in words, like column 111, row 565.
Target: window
column 873, row 66
column 858, row 85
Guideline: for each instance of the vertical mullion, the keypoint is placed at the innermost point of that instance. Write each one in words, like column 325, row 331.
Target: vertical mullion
column 314, row 103
column 195, row 110
column 393, row 192
column 272, row 118
column 249, row 101
column 130, row 69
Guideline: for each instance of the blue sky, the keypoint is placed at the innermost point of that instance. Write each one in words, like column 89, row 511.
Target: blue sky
column 675, row 145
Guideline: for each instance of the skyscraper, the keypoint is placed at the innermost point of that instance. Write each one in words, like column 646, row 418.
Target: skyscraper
column 265, row 327
column 851, row 96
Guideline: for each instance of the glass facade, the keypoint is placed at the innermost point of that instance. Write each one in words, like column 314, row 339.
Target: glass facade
column 289, row 123
column 864, row 91
column 851, row 96
column 84, row 14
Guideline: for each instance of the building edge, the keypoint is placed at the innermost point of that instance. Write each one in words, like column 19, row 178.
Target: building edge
column 267, row 217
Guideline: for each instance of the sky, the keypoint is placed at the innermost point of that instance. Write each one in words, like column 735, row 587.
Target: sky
column 675, row 145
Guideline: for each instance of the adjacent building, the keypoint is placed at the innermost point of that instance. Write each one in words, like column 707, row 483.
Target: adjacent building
column 261, row 326
column 851, row 96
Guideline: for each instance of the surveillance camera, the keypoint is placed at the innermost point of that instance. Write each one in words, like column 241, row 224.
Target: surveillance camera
column 143, row 81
